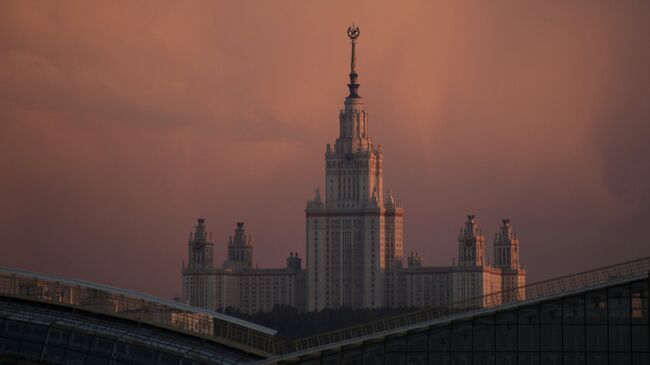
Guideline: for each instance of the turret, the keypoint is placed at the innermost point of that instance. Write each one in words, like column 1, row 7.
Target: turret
column 200, row 247
column 294, row 262
column 506, row 247
column 470, row 244
column 240, row 250
column 414, row 260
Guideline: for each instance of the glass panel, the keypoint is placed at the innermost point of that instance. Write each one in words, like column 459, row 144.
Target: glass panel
column 597, row 358
column 640, row 338
column 97, row 360
column 35, row 333
column 12, row 329
column 574, row 310
column 619, row 338
column 621, row 291
column 418, row 349
column 574, row 358
column 529, row 338
column 396, row 345
column 58, row 337
column 620, row 359
column 619, row 310
column 440, row 339
column 462, row 337
column 639, row 311
column 53, row 353
column 374, row 354
column 529, row 315
column 596, row 303
column 79, row 341
column 551, row 313
column 74, row 357
column 440, row 358
column 640, row 359
column 167, row 359
column 531, row 358
column 484, row 338
column 331, row 359
column 32, row 350
column 352, row 357
column 597, row 338
column 396, row 358
column 463, row 358
column 574, row 338
column 143, row 356
column 484, row 358
column 551, row 358
column 9, row 345
column 102, row 345
column 418, row 343
column 123, row 351
column 418, row 358
column 506, row 336
column 551, row 338
column 396, row 351
column 640, row 288
column 507, row 358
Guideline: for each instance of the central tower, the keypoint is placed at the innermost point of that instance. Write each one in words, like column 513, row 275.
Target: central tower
column 354, row 236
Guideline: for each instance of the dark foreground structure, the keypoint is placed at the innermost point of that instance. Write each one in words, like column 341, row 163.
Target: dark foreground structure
column 54, row 320
column 595, row 317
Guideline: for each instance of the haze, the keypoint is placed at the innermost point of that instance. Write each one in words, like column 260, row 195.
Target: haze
column 122, row 122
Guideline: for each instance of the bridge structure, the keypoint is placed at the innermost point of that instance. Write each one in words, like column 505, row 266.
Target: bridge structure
column 51, row 319
column 594, row 317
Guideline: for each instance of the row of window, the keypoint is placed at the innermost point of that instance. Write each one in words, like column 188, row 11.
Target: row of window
column 599, row 327
column 35, row 342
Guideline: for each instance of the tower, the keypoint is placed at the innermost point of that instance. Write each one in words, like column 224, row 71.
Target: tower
column 294, row 262
column 240, row 250
column 198, row 278
column 506, row 257
column 354, row 236
column 200, row 248
column 506, row 247
column 470, row 244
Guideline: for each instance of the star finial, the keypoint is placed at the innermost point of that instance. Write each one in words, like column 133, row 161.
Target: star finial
column 353, row 32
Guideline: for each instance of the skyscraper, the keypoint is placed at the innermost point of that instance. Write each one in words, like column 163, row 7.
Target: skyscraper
column 354, row 237
column 354, row 243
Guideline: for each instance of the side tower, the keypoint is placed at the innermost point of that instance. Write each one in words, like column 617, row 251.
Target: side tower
column 198, row 274
column 506, row 257
column 350, row 260
column 240, row 250
column 200, row 248
column 470, row 278
column 471, row 244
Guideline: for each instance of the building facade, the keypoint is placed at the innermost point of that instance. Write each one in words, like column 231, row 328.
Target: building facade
column 354, row 243
column 354, row 235
column 470, row 276
column 237, row 284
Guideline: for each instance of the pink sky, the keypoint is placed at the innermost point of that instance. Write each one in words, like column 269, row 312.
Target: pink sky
column 121, row 123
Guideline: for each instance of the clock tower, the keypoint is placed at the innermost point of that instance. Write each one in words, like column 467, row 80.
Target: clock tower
column 470, row 244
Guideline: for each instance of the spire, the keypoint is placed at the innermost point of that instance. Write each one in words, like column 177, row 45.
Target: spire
column 353, row 34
